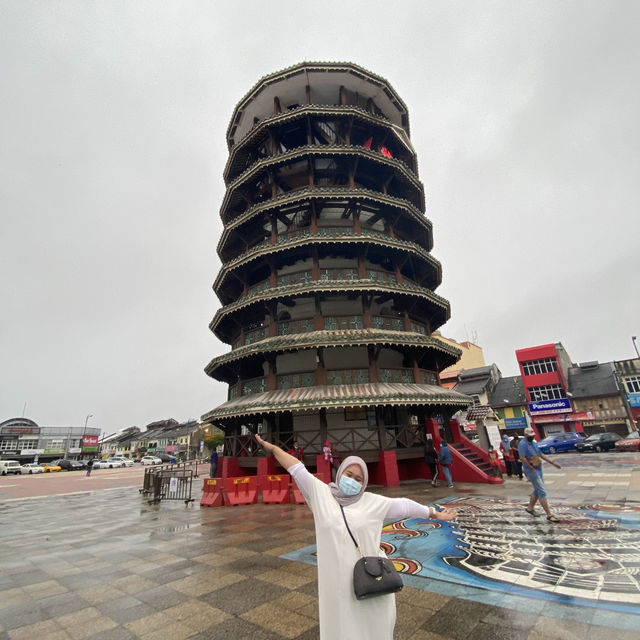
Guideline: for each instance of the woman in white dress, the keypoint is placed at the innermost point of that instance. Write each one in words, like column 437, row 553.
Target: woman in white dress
column 341, row 614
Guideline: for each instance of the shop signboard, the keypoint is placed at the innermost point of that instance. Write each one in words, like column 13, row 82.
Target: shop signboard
column 56, row 452
column 31, row 452
column 542, row 407
column 75, row 450
column 515, row 423
column 89, row 443
column 634, row 399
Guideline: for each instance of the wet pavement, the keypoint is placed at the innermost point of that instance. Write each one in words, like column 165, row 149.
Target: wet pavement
column 103, row 563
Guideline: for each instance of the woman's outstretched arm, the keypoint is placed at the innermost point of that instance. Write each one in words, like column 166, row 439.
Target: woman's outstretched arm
column 284, row 459
column 405, row 508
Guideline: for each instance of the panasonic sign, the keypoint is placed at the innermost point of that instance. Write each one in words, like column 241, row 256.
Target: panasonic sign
column 560, row 405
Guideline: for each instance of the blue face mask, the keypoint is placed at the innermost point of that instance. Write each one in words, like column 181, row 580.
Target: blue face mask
column 349, row 486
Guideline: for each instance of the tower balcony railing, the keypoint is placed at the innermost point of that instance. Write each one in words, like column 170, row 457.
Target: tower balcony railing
column 290, row 327
column 407, row 375
column 331, row 323
column 335, row 323
column 347, row 376
column 296, row 380
column 340, row 274
column 338, row 232
column 389, row 324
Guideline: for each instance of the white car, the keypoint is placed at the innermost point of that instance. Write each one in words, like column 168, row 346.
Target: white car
column 102, row 464
column 31, row 467
column 119, row 461
column 150, row 460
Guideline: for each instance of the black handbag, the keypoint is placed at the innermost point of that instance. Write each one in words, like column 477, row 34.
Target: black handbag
column 373, row 575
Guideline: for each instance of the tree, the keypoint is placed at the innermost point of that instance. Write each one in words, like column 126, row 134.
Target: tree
column 214, row 440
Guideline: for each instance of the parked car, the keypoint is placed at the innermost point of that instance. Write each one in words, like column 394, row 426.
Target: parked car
column 32, row 467
column 598, row 442
column 10, row 466
column 120, row 461
column 69, row 465
column 49, row 467
column 101, row 464
column 167, row 458
column 560, row 442
column 150, row 460
column 629, row 443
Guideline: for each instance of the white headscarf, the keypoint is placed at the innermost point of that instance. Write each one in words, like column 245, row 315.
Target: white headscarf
column 342, row 498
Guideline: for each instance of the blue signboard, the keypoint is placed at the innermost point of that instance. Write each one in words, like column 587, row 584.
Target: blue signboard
column 515, row 423
column 559, row 405
column 634, row 399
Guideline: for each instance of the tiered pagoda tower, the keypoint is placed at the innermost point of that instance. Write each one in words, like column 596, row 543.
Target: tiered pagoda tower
column 327, row 284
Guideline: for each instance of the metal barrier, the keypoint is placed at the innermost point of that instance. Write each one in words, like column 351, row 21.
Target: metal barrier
column 173, row 482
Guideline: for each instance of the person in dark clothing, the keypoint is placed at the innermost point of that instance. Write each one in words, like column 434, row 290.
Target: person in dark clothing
column 446, row 460
column 213, row 462
column 89, row 467
column 431, row 460
column 516, row 465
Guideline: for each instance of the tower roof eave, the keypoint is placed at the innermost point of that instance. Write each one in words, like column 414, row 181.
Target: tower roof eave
column 337, row 397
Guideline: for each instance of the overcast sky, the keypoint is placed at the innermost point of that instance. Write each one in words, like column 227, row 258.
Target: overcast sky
column 112, row 121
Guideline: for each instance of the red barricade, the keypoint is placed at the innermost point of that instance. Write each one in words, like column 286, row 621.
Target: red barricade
column 275, row 489
column 298, row 498
column 212, row 492
column 241, row 490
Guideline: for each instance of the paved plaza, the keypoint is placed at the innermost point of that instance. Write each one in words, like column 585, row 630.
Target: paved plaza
column 105, row 564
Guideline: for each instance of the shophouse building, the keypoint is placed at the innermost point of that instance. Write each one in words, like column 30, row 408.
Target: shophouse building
column 24, row 440
column 596, row 395
column 628, row 373
column 328, row 282
column 472, row 357
column 509, row 401
column 544, row 371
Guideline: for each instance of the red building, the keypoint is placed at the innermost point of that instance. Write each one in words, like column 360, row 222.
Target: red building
column 544, row 370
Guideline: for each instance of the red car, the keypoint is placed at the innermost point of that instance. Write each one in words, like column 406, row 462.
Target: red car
column 630, row 443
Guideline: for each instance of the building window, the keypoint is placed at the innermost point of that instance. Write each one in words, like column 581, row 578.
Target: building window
column 8, row 445
column 546, row 392
column 632, row 383
column 29, row 444
column 535, row 367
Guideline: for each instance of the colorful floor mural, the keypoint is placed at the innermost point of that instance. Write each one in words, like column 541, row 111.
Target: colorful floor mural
column 499, row 554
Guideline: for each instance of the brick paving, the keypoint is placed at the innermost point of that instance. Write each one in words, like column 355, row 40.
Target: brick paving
column 106, row 565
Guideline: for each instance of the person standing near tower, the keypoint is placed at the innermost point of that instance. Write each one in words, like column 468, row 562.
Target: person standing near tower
column 342, row 615
column 531, row 459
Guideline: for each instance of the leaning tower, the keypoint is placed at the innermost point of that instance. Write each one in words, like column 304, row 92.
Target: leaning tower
column 327, row 283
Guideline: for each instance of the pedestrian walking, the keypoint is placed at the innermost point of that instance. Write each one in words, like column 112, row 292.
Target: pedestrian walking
column 213, row 464
column 446, row 460
column 431, row 460
column 334, row 506
column 517, row 465
column 494, row 460
column 89, row 467
column 532, row 458
column 507, row 456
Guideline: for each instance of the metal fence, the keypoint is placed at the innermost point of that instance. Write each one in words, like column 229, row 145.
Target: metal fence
column 169, row 482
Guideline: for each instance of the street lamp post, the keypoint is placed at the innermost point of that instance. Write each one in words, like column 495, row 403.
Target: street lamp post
column 84, row 432
column 633, row 339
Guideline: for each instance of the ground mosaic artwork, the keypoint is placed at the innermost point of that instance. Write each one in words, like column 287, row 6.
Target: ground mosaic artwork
column 496, row 553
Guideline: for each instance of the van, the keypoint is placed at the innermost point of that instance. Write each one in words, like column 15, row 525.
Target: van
column 10, row 466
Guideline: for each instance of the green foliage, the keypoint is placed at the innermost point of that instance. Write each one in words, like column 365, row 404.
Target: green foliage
column 213, row 441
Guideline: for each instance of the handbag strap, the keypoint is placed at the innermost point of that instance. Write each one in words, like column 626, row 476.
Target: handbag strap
column 349, row 530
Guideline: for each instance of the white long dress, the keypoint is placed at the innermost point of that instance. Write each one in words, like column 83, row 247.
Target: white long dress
column 341, row 614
